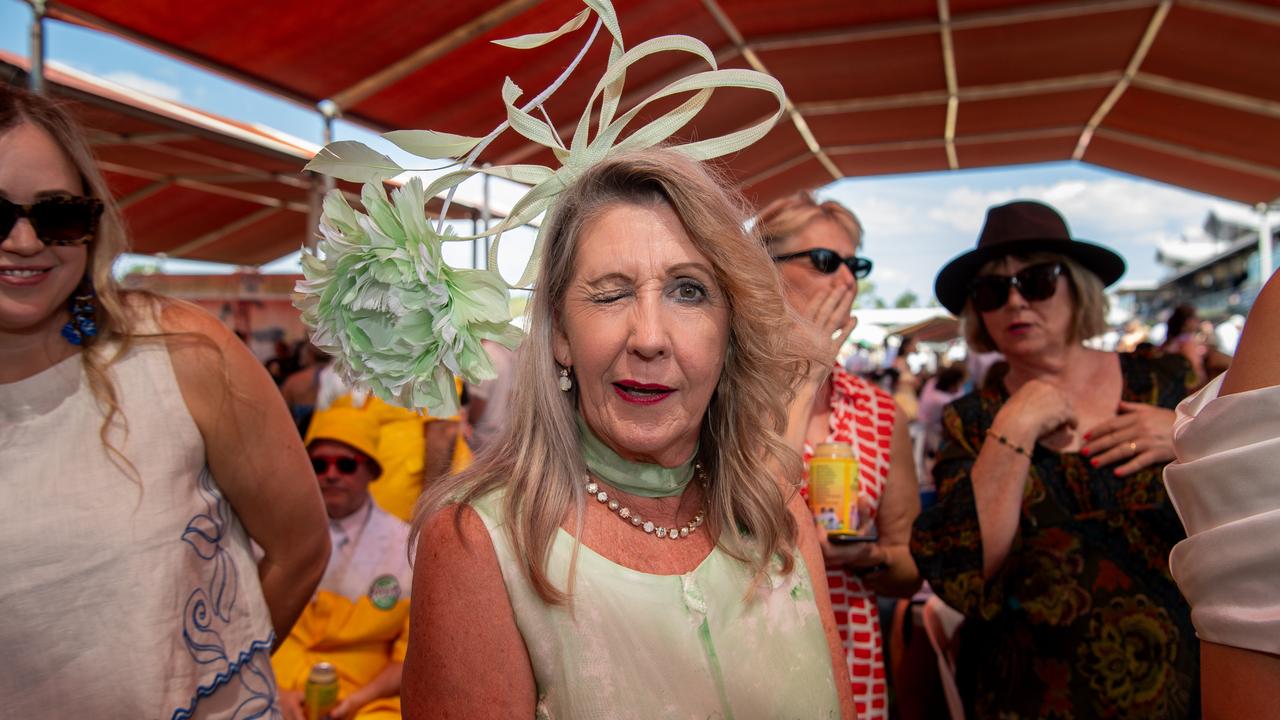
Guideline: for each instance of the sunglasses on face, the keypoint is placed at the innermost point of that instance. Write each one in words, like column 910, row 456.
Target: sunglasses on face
column 828, row 261
column 1034, row 283
column 61, row 220
column 346, row 465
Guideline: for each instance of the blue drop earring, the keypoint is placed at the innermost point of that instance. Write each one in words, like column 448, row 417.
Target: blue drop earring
column 83, row 324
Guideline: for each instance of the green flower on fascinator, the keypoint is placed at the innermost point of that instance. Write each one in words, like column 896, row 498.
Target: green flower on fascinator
column 394, row 315
column 398, row 318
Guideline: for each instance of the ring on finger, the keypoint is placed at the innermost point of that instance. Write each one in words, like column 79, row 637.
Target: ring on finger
column 1133, row 448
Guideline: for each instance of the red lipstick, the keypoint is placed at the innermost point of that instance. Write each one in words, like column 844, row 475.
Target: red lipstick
column 638, row 393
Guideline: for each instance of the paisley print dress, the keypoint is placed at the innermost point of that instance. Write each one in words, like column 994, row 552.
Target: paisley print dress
column 1084, row 619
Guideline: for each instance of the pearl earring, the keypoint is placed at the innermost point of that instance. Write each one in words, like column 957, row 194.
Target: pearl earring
column 566, row 383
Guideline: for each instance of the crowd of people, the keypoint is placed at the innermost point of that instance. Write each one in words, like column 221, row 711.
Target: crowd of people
column 616, row 525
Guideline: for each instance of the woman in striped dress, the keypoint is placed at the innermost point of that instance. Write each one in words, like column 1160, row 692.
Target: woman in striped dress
column 814, row 246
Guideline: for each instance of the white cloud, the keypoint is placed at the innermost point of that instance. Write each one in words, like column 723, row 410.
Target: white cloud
column 915, row 224
column 889, row 274
column 1110, row 209
column 880, row 216
column 150, row 86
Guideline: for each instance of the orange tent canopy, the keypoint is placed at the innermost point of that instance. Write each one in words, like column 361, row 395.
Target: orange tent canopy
column 1182, row 91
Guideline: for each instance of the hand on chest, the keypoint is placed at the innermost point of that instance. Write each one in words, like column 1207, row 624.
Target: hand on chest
column 1091, row 407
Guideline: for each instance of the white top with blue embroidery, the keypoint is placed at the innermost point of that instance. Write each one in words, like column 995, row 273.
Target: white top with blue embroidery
column 127, row 592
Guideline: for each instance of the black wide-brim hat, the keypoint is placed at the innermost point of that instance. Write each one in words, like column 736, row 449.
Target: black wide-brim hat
column 1018, row 228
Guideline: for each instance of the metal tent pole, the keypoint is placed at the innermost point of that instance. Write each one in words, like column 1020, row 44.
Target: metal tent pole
column 329, row 110
column 486, row 215
column 475, row 244
column 315, row 200
column 320, row 184
column 36, row 77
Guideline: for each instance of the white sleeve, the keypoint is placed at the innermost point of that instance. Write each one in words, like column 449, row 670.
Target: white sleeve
column 1225, row 485
column 331, row 387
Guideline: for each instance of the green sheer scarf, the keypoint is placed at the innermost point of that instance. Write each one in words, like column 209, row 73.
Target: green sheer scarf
column 633, row 478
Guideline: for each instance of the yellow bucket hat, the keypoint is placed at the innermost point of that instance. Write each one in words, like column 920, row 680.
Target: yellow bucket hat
column 352, row 427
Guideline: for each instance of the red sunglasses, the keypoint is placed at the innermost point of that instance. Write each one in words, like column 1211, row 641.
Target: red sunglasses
column 346, row 465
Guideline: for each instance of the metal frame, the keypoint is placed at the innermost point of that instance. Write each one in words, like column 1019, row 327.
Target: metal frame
column 35, row 78
column 754, row 61
column 1130, row 71
column 953, row 87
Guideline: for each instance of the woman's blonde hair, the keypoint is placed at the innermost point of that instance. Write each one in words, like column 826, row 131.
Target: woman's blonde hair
column 537, row 460
column 787, row 216
column 1089, row 313
column 17, row 107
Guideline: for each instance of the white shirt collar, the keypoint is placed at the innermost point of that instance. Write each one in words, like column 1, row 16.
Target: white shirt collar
column 344, row 529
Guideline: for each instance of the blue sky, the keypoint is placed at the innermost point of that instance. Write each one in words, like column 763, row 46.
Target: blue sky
column 914, row 223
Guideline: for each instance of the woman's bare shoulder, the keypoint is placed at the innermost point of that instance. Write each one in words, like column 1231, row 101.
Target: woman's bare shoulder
column 1254, row 365
column 180, row 317
column 467, row 651
column 209, row 361
column 456, row 531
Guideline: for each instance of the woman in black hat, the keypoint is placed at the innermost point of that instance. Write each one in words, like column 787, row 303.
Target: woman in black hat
column 1052, row 529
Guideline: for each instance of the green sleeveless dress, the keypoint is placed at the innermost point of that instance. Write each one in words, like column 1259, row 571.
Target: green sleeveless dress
column 636, row 645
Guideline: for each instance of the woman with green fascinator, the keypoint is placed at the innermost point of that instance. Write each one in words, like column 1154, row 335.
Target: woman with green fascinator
column 627, row 547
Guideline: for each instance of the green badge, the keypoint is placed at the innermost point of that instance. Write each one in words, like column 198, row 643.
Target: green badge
column 384, row 592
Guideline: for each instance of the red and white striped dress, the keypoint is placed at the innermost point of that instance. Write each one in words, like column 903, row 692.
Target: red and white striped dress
column 861, row 415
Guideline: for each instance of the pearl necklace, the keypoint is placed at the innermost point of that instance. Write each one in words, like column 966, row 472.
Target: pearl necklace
column 648, row 526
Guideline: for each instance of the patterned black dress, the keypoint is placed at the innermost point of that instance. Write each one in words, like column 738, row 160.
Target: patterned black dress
column 1084, row 619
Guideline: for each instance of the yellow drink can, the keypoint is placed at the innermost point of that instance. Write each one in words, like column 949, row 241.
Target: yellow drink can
column 321, row 694
column 833, row 488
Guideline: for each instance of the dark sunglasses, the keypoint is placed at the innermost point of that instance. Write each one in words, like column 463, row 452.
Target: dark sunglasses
column 1034, row 283
column 61, row 220
column 828, row 261
column 346, row 465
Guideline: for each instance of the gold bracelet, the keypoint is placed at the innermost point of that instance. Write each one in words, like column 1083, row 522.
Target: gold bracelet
column 1009, row 443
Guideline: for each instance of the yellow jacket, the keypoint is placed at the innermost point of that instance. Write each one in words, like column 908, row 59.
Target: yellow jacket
column 358, row 620
column 401, row 451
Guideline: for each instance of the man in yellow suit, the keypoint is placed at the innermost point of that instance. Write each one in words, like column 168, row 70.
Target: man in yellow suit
column 416, row 450
column 358, row 619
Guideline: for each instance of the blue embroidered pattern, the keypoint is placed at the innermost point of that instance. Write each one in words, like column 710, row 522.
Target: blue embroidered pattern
column 208, row 609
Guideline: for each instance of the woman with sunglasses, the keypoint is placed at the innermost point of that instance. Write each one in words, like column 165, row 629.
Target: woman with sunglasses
column 1052, row 529
column 143, row 446
column 814, row 246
